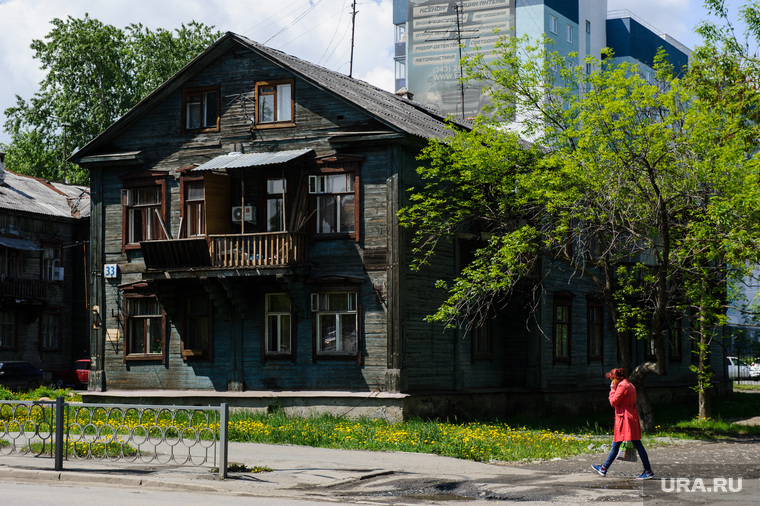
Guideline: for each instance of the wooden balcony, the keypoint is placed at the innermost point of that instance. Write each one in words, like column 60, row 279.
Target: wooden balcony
column 273, row 249
column 226, row 251
column 27, row 289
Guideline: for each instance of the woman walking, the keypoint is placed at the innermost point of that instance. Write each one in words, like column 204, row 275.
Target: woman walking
column 627, row 428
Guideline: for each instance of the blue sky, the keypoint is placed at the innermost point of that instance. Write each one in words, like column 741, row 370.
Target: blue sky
column 315, row 30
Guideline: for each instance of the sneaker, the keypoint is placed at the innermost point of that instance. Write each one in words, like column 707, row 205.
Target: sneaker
column 600, row 470
column 646, row 475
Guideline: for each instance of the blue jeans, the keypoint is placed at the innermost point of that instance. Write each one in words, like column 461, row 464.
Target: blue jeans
column 639, row 448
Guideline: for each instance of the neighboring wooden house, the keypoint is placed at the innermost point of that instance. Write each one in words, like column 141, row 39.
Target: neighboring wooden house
column 244, row 238
column 44, row 227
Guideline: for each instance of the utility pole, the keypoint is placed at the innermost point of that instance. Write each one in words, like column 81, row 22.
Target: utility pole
column 458, row 8
column 65, row 126
column 353, row 30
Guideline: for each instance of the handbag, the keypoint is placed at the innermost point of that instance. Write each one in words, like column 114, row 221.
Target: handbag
column 627, row 452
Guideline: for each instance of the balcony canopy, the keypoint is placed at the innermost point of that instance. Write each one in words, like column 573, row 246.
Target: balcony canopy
column 18, row 243
column 245, row 160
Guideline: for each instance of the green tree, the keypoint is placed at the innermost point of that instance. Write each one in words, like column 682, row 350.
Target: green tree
column 94, row 74
column 643, row 188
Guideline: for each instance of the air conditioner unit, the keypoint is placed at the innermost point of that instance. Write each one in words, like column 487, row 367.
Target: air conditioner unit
column 239, row 214
column 58, row 274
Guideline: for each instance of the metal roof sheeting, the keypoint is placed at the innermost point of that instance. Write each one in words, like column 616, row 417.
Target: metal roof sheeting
column 39, row 196
column 243, row 160
column 15, row 243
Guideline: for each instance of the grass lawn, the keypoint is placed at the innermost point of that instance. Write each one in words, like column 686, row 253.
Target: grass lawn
column 514, row 439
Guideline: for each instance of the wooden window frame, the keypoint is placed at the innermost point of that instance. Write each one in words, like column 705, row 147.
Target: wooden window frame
column 55, row 246
column 203, row 91
column 56, row 311
column 675, row 336
column 562, row 299
column 13, row 345
column 319, row 355
column 593, row 305
column 130, row 295
column 259, row 124
column 196, row 353
column 131, row 183
column 334, row 165
column 183, row 200
column 278, row 355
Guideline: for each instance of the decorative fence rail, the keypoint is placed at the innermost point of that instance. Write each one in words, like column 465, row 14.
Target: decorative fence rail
column 258, row 250
column 190, row 435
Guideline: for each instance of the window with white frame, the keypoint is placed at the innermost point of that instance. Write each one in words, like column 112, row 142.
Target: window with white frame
column 52, row 257
column 336, row 321
column 569, row 33
column 274, row 102
column 552, row 24
column 336, row 202
column 278, row 321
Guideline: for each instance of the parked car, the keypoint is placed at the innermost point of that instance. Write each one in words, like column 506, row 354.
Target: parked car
column 17, row 375
column 754, row 369
column 76, row 376
column 737, row 369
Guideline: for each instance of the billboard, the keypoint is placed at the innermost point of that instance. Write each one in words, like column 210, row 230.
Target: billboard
column 435, row 30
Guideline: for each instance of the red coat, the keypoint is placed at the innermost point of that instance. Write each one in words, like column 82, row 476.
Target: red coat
column 623, row 399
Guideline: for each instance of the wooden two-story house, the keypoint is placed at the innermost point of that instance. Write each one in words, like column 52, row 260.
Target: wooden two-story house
column 244, row 238
column 44, row 228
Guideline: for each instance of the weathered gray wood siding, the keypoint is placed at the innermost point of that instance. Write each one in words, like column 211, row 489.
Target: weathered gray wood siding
column 158, row 136
column 67, row 296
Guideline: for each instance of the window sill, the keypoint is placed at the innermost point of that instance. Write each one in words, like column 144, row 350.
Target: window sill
column 200, row 130
column 284, row 124
column 327, row 355
column 156, row 357
column 334, row 237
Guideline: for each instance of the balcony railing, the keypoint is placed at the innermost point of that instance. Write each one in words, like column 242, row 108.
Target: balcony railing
column 23, row 289
column 271, row 249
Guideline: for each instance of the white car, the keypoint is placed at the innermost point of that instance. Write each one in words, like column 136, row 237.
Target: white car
column 754, row 369
column 738, row 369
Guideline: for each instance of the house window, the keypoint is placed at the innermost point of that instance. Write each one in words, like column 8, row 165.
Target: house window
column 588, row 26
column 569, row 33
column 145, row 327
column 195, row 224
column 201, row 109
column 400, row 72
column 52, row 255
column 336, row 202
column 7, row 330
column 196, row 334
column 562, row 328
column 675, row 347
column 10, row 261
column 336, row 320
column 595, row 331
column 50, row 330
column 278, row 330
column 552, row 24
column 276, row 189
column 144, row 213
column 274, row 102
column 482, row 341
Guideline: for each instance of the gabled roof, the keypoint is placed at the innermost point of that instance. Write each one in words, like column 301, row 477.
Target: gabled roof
column 40, row 196
column 396, row 112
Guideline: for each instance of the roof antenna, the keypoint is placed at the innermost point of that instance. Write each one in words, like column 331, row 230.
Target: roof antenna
column 353, row 30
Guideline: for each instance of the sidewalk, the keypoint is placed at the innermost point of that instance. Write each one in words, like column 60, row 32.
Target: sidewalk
column 353, row 477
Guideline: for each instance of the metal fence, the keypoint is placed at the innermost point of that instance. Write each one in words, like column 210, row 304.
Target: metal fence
column 183, row 435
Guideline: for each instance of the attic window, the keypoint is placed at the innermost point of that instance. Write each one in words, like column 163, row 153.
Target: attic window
column 274, row 103
column 200, row 109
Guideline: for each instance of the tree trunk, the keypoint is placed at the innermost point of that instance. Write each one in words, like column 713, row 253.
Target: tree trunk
column 644, row 406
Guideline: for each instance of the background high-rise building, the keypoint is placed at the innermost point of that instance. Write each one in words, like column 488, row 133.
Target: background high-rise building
column 432, row 35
